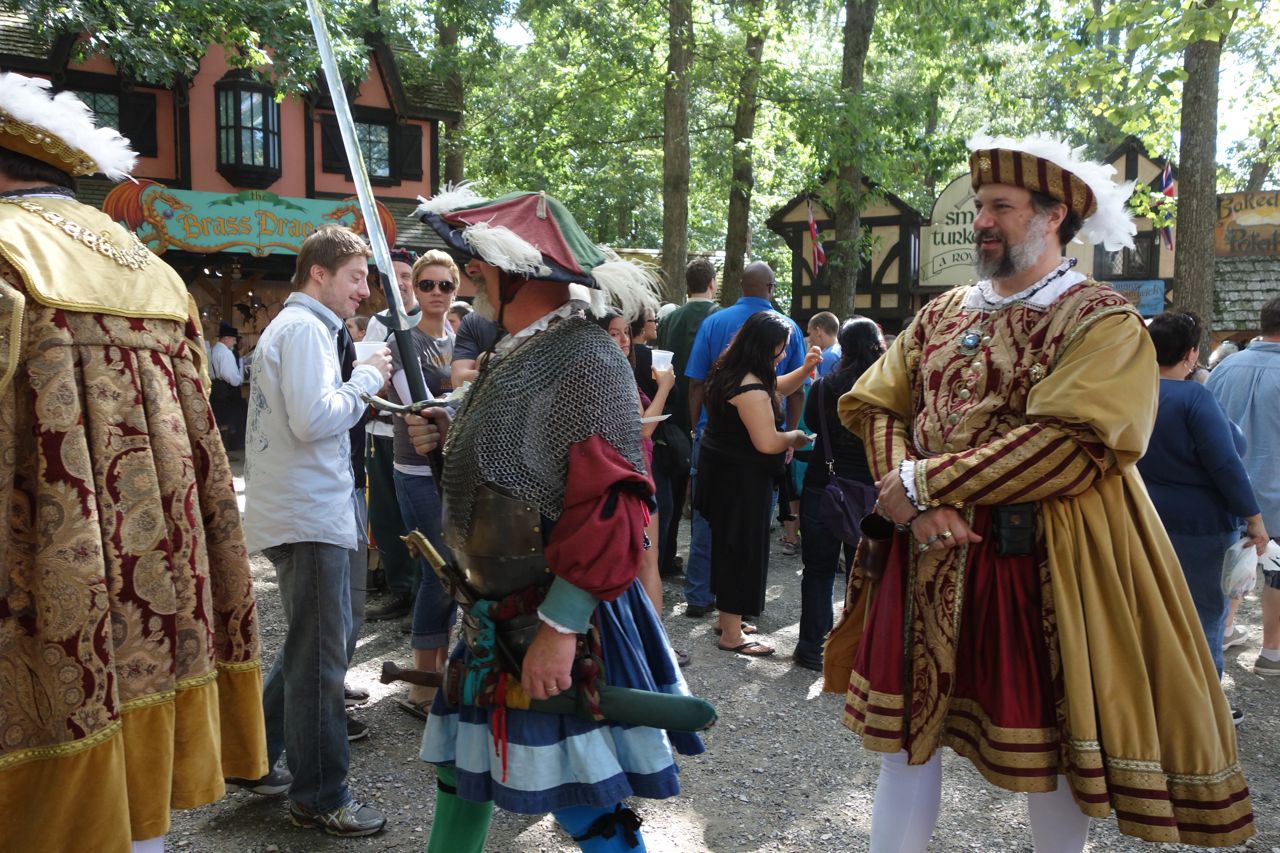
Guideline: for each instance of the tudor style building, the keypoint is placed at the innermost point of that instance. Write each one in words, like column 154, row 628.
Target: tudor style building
column 230, row 179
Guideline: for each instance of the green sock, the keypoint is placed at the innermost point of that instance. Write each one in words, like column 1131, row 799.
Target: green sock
column 460, row 826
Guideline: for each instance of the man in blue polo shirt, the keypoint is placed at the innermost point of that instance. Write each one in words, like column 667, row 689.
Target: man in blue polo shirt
column 713, row 338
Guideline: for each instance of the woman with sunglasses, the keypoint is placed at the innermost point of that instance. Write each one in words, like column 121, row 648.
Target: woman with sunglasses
column 435, row 280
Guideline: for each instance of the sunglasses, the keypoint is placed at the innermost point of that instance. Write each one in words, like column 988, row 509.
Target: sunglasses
column 426, row 285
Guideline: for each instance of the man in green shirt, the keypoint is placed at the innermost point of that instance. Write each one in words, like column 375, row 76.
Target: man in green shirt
column 672, row 445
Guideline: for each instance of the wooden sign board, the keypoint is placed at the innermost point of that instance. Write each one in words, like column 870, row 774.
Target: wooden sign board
column 1248, row 225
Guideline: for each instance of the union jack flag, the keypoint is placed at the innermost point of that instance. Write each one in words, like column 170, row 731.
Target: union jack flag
column 1166, row 186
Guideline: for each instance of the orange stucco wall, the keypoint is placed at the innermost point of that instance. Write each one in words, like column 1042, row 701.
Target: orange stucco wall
column 204, row 137
column 164, row 166
column 373, row 93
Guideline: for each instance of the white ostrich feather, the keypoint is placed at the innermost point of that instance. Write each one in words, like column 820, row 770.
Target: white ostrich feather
column 64, row 116
column 628, row 286
column 1110, row 226
column 506, row 250
column 450, row 197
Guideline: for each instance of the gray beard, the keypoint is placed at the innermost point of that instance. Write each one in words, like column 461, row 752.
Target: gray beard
column 482, row 306
column 1017, row 258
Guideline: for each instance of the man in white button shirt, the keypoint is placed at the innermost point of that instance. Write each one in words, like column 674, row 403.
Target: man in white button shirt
column 227, row 374
column 300, row 511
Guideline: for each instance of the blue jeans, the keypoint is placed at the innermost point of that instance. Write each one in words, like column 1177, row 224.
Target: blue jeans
column 1201, row 559
column 697, row 569
column 434, row 610
column 302, row 695
column 820, row 553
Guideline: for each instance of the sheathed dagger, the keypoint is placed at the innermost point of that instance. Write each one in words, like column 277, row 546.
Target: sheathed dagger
column 400, row 325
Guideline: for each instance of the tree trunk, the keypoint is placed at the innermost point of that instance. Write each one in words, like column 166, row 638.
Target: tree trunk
column 1197, row 183
column 744, row 128
column 675, row 149
column 845, row 257
column 1259, row 169
column 454, row 146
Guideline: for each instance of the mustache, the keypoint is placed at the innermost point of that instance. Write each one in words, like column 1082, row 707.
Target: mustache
column 987, row 234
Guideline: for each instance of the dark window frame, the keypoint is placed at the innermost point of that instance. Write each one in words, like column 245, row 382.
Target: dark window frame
column 404, row 146
column 1141, row 262
column 232, row 131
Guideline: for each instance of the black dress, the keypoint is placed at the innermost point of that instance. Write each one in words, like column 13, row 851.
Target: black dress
column 734, row 492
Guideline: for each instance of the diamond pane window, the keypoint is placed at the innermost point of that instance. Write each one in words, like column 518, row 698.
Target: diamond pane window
column 105, row 106
column 248, row 131
column 375, row 143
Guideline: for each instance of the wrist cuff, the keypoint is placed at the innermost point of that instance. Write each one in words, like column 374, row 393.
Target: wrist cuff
column 567, row 607
column 907, row 473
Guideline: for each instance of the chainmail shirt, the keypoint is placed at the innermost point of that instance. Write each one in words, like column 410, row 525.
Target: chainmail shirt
column 517, row 423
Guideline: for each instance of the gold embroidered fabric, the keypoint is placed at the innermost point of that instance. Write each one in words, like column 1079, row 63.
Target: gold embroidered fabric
column 1056, row 407
column 124, row 583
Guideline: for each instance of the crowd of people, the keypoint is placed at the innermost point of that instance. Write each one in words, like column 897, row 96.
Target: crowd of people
column 1045, row 495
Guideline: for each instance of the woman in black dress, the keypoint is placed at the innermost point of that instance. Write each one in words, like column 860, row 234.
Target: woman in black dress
column 861, row 344
column 742, row 456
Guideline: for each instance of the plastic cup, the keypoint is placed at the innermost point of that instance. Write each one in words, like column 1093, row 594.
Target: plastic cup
column 364, row 349
column 662, row 358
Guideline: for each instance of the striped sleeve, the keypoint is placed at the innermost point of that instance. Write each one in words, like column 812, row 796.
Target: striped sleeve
column 1030, row 463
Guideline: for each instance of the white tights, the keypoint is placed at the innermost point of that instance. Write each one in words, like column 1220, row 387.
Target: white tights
column 151, row 845
column 908, row 797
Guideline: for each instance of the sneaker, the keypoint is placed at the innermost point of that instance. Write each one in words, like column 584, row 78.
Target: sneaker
column 356, row 730
column 790, row 549
column 273, row 784
column 806, row 663
column 682, row 658
column 400, row 605
column 1237, row 715
column 350, row 821
column 1237, row 636
column 354, row 695
column 1263, row 666
column 697, row 611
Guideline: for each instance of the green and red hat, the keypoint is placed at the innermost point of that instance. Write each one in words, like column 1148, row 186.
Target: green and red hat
column 533, row 235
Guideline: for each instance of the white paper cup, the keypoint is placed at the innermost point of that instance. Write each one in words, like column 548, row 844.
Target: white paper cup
column 364, row 349
column 662, row 358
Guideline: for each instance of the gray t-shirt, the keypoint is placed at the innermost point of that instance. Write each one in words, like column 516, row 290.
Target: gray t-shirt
column 476, row 336
column 435, row 355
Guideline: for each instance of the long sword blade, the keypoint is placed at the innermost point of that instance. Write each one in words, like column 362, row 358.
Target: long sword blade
column 368, row 209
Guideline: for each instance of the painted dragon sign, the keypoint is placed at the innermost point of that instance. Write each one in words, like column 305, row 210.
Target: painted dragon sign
column 255, row 222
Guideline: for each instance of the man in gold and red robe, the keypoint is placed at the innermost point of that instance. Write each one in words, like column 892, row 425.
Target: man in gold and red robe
column 129, row 675
column 1032, row 615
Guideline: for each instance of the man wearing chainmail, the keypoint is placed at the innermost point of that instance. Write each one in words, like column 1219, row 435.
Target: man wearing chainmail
column 546, row 498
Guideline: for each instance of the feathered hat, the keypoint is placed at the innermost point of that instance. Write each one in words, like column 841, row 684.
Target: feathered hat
column 533, row 235
column 1050, row 166
column 58, row 130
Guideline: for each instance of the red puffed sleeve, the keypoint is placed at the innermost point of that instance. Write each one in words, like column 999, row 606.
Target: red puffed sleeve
column 598, row 542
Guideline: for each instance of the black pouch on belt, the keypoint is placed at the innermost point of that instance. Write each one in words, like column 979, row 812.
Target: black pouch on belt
column 1015, row 527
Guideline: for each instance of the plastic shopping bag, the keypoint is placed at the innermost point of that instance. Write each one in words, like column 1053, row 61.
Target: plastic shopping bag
column 1240, row 567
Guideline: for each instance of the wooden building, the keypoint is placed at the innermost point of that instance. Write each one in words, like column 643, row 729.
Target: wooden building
column 231, row 180
column 887, row 277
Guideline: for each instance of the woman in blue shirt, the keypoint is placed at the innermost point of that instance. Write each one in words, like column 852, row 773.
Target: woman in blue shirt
column 1193, row 471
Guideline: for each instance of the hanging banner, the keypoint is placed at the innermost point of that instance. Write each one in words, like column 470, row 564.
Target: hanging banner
column 254, row 222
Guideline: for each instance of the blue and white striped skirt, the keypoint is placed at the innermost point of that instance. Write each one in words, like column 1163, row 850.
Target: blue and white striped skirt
column 553, row 761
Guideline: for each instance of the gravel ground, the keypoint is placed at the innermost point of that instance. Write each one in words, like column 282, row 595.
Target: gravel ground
column 780, row 772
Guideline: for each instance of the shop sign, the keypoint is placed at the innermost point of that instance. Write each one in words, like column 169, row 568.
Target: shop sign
column 1147, row 296
column 1248, row 224
column 947, row 243
column 255, row 222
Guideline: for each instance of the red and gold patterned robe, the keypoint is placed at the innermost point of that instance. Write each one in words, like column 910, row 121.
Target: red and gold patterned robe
column 1085, row 659
column 129, row 675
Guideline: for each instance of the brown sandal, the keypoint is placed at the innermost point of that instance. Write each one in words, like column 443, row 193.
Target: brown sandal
column 421, row 710
column 747, row 628
column 750, row 649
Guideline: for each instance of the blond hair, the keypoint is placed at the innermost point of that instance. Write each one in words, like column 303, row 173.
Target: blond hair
column 437, row 258
column 328, row 246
